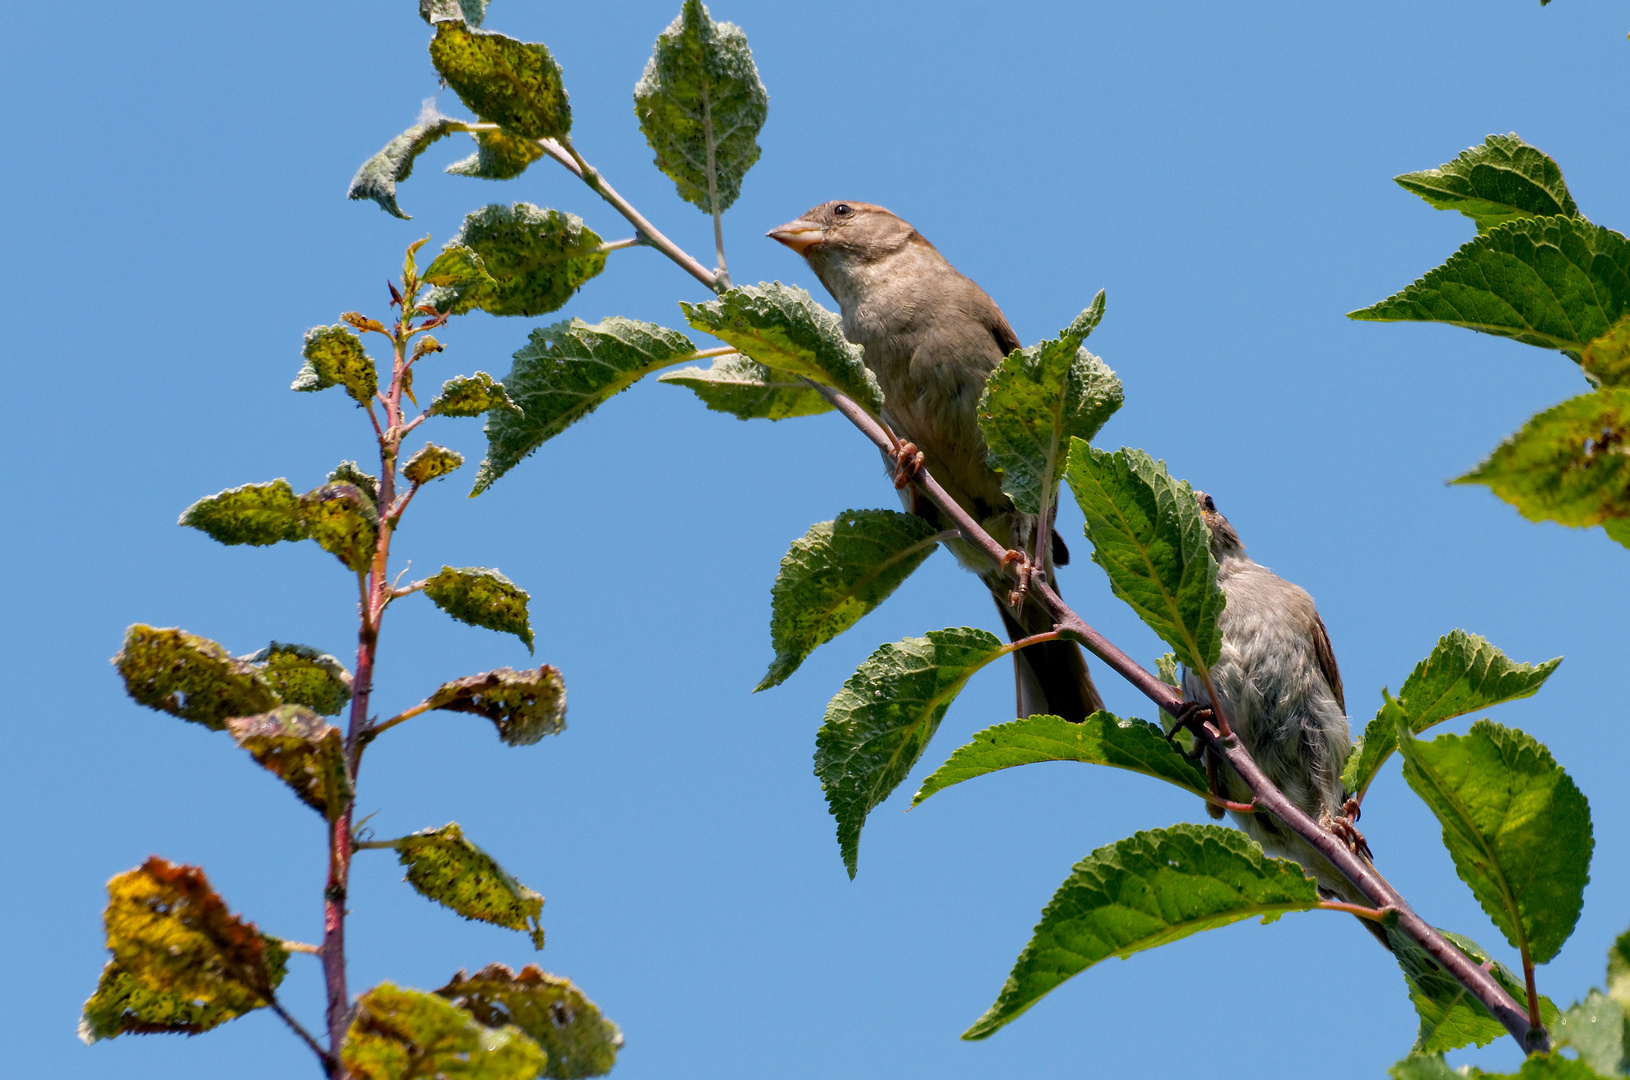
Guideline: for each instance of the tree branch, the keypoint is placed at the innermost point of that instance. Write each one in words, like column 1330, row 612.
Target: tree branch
column 1480, row 983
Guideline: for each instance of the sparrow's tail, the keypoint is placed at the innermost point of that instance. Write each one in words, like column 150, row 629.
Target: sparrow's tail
column 1051, row 677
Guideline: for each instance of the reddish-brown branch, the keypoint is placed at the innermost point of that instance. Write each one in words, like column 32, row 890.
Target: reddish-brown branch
column 1522, row 1024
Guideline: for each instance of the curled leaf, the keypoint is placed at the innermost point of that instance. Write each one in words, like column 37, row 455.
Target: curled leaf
column 191, row 677
column 524, row 705
column 580, row 1042
column 450, row 870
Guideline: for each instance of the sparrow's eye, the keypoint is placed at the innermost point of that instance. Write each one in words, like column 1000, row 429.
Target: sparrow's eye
column 1209, row 504
column 843, row 209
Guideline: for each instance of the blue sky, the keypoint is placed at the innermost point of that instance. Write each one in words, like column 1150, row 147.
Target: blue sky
column 175, row 214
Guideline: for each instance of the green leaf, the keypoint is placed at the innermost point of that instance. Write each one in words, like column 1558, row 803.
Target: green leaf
column 379, row 175
column 1101, row 739
column 536, row 260
column 334, row 357
column 1502, row 180
column 498, row 156
column 431, row 463
column 1463, row 674
column 122, row 1005
column 1037, row 400
column 580, row 1042
column 1567, row 464
column 1515, row 824
column 450, row 870
column 880, row 722
column 563, row 373
column 458, row 268
column 782, row 328
column 167, row 929
column 191, row 677
column 295, row 745
column 482, row 597
column 470, row 11
column 1554, row 282
column 524, row 705
column 398, row 1034
column 348, row 472
column 1450, row 1016
column 834, row 575
column 1150, row 889
column 344, row 522
column 700, row 105
column 472, row 395
column 514, row 84
column 1606, row 360
column 257, row 514
column 1540, row 1066
column 301, row 675
column 1424, row 1067
column 748, row 390
column 1618, row 970
column 1596, row 1028
column 1147, row 534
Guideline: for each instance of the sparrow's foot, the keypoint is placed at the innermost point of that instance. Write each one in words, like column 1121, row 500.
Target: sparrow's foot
column 1350, row 808
column 1015, row 598
column 908, row 462
column 1348, row 833
column 1188, row 715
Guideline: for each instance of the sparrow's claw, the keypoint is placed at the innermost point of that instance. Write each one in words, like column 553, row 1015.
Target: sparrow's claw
column 1350, row 808
column 1348, row 833
column 1188, row 715
column 908, row 462
column 1015, row 598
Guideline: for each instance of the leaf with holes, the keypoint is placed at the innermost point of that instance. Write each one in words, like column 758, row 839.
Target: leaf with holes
column 301, row 675
column 1037, row 400
column 566, row 371
column 1516, row 825
column 748, row 390
column 1567, row 464
column 295, row 745
column 1101, row 739
column 498, row 156
column 348, row 472
column 481, row 596
column 834, row 575
column 398, row 1034
column 191, row 677
column 881, row 721
column 1554, row 282
column 256, row 514
column 1502, row 180
column 471, row 395
column 514, row 84
column 534, row 261
column 1147, row 534
column 1463, row 674
column 784, row 329
column 344, row 521
column 169, row 930
column 524, row 705
column 580, row 1042
column 700, row 105
column 334, row 357
column 1147, row 890
column 377, row 178
column 450, row 870
column 431, row 462
column 122, row 1005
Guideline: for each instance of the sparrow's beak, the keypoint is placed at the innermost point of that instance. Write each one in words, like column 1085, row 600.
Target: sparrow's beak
column 799, row 235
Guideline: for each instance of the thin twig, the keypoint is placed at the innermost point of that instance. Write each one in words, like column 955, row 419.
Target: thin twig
column 302, row 947
column 1372, row 914
column 617, row 245
column 1268, row 797
column 563, row 152
column 305, row 1036
column 375, row 730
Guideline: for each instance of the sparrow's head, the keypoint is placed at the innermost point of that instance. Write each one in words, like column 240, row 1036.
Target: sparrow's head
column 851, row 231
column 1224, row 540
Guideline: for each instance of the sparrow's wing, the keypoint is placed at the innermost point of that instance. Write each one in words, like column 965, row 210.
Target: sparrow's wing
column 1006, row 339
column 1327, row 660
